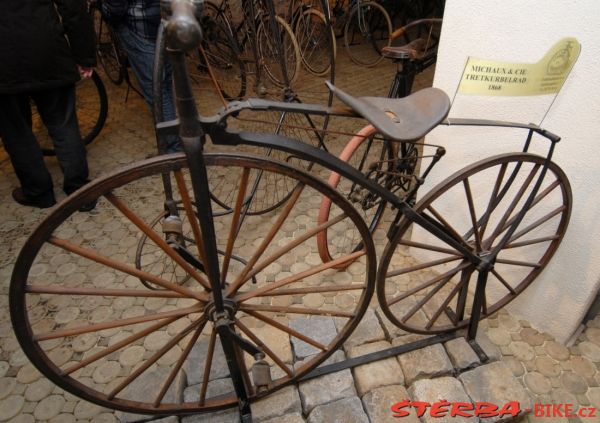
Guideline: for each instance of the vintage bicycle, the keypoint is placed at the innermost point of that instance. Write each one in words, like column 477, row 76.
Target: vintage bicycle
column 249, row 318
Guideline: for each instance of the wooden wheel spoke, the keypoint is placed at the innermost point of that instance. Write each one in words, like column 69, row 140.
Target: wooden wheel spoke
column 445, row 303
column 446, row 224
column 185, row 353
column 531, row 241
column 421, row 266
column 294, row 310
column 427, row 297
column 494, row 200
column 518, row 263
column 472, row 213
column 286, row 329
column 102, row 292
column 125, row 268
column 242, row 278
column 264, row 347
column 207, row 366
column 427, row 284
column 298, row 276
column 62, row 333
column 537, row 223
column 503, row 282
column 499, row 227
column 235, row 222
column 422, row 246
column 311, row 290
column 189, row 212
column 156, row 238
column 155, row 357
column 117, row 346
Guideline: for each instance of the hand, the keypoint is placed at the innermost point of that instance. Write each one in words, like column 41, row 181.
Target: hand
column 85, row 72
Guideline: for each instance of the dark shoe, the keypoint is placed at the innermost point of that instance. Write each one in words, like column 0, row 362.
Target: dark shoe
column 40, row 202
column 88, row 207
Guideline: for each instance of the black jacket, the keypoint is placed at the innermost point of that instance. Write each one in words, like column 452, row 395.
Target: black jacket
column 34, row 53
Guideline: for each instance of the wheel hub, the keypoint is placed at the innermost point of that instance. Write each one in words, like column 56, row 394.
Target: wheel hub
column 230, row 307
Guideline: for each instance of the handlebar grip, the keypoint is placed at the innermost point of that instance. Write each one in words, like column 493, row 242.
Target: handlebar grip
column 183, row 30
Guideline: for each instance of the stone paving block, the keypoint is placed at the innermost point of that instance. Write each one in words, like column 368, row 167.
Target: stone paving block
column 442, row 388
column 215, row 387
column 194, row 364
column 319, row 328
column 327, row 388
column 284, row 401
column 379, row 401
column 494, row 383
column 492, row 351
column 593, row 335
column 378, row 373
column 368, row 330
column 231, row 415
column 594, row 396
column 148, row 385
column 590, row 350
column 557, row 351
column 431, row 361
column 522, row 351
column 461, row 354
column 537, row 383
column 348, row 410
column 287, row 418
column 276, row 340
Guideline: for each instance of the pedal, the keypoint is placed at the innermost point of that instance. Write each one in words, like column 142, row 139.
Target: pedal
column 261, row 373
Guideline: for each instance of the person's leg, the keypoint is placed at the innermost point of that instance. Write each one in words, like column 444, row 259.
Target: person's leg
column 57, row 109
column 23, row 149
column 140, row 53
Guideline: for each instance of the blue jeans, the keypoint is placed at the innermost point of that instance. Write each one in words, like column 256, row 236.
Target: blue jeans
column 140, row 53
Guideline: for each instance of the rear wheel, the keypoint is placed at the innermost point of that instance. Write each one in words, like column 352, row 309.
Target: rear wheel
column 426, row 286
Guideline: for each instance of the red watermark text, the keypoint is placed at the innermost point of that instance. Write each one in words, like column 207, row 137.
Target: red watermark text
column 445, row 408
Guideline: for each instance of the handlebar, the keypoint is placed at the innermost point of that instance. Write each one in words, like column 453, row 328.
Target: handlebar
column 183, row 30
column 401, row 31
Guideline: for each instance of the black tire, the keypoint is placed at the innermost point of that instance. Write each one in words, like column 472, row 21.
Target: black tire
column 92, row 108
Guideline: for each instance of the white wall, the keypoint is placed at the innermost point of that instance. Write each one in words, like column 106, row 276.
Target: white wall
column 522, row 31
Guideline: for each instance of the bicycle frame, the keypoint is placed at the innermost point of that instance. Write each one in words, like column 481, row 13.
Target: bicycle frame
column 193, row 128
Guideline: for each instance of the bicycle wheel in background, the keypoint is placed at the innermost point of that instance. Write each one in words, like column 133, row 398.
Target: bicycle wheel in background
column 220, row 51
column 91, row 105
column 101, row 334
column 426, row 286
column 270, row 54
column 316, row 41
column 366, row 32
column 106, row 49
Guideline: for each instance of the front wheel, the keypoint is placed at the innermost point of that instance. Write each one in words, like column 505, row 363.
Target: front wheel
column 86, row 322
column 366, row 32
column 426, row 286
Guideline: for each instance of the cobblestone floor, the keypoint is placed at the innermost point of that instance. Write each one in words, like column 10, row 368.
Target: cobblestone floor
column 525, row 365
